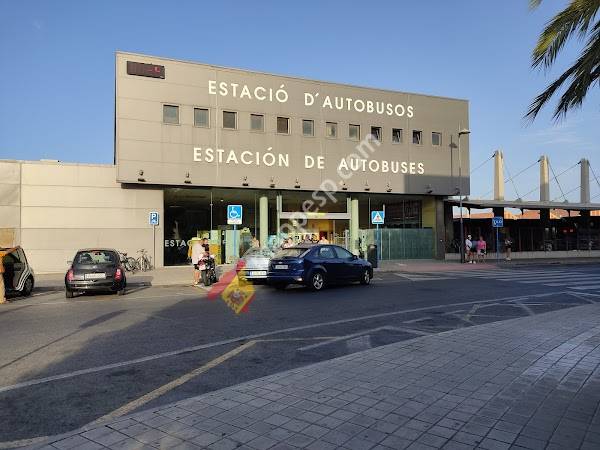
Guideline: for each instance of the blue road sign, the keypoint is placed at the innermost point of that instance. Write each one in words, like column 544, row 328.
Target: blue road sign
column 234, row 214
column 498, row 222
column 377, row 217
column 153, row 218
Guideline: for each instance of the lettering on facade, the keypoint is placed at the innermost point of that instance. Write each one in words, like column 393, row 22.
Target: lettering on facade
column 280, row 95
column 352, row 163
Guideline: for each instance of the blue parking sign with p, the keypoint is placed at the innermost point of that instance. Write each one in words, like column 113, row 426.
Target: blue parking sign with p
column 498, row 222
column 153, row 218
column 234, row 214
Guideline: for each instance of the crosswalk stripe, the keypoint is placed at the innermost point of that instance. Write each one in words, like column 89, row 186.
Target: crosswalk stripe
column 587, row 288
column 574, row 279
column 578, row 282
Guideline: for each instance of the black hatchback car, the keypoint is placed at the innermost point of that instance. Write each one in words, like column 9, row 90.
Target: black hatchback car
column 316, row 266
column 95, row 270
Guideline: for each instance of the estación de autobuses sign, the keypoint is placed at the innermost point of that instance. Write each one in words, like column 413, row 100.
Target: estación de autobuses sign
column 391, row 149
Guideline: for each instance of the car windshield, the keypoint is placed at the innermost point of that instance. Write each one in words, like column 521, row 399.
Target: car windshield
column 265, row 252
column 291, row 253
column 95, row 257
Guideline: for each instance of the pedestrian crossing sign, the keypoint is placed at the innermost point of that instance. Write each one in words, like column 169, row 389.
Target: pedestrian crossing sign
column 377, row 217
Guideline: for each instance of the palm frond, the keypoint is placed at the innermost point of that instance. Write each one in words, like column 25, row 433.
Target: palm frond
column 576, row 17
column 583, row 74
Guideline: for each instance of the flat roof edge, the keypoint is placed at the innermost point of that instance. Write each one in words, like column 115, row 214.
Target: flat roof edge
column 237, row 69
column 56, row 163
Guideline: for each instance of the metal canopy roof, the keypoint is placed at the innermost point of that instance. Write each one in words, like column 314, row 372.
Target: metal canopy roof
column 520, row 204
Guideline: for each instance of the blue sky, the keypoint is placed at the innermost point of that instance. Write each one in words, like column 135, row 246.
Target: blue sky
column 57, row 68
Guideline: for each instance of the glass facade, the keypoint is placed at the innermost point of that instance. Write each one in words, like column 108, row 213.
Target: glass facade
column 202, row 212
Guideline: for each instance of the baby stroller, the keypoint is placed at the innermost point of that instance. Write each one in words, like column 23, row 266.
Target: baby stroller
column 209, row 274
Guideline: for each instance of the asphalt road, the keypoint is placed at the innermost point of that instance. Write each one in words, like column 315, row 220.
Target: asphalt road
column 66, row 363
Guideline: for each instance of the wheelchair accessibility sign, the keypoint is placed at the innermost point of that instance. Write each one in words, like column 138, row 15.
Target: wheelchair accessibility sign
column 234, row 214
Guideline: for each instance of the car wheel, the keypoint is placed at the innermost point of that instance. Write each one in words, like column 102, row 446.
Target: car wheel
column 280, row 286
column 27, row 287
column 365, row 277
column 317, row 281
column 69, row 293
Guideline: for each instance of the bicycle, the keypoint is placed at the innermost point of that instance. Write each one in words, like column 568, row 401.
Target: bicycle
column 143, row 262
column 129, row 263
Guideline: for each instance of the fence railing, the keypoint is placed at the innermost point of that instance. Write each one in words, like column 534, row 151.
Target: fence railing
column 401, row 243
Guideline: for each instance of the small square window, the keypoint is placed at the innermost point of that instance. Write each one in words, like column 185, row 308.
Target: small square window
column 283, row 125
column 171, row 114
column 257, row 122
column 230, row 120
column 436, row 139
column 308, row 127
column 354, row 132
column 331, row 129
column 201, row 117
column 397, row 135
column 376, row 133
column 417, row 137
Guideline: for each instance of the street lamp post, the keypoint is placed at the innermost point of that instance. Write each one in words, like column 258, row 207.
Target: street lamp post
column 462, row 232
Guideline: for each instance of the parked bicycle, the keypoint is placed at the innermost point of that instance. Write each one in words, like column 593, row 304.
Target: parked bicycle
column 128, row 262
column 142, row 263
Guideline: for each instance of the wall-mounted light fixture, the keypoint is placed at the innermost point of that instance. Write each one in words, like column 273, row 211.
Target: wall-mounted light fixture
column 187, row 178
column 141, row 178
column 389, row 187
column 367, row 187
column 344, row 187
column 297, row 185
column 245, row 181
column 428, row 189
column 272, row 183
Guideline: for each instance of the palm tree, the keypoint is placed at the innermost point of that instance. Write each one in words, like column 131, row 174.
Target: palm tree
column 576, row 19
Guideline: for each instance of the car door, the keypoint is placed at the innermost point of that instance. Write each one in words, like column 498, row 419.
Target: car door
column 334, row 266
column 351, row 267
column 12, row 270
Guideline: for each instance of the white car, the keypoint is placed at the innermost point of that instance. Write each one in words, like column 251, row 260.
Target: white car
column 18, row 274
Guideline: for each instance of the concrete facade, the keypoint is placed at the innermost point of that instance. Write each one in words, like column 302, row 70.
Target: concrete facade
column 53, row 209
column 151, row 151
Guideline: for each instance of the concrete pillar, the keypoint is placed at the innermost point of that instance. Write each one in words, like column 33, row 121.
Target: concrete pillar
column 354, row 225
column 263, row 222
column 498, row 175
column 544, row 179
column 585, row 181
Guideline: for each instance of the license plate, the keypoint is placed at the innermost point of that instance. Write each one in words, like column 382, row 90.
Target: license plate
column 95, row 276
column 255, row 273
column 281, row 266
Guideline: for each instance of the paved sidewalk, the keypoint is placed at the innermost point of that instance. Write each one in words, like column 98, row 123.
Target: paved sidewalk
column 531, row 383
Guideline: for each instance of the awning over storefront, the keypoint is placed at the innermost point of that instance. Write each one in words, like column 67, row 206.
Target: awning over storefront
column 520, row 204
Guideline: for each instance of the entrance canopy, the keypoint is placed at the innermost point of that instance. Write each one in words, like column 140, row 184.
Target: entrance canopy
column 520, row 204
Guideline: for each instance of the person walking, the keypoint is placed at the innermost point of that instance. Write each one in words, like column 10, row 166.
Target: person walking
column 508, row 242
column 3, row 253
column 481, row 249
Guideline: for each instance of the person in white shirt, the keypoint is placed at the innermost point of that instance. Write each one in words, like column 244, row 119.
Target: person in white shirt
column 197, row 253
column 469, row 249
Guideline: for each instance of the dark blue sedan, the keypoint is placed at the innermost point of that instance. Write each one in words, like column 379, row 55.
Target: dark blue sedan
column 316, row 266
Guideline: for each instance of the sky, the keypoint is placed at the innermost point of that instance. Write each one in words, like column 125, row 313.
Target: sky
column 57, row 69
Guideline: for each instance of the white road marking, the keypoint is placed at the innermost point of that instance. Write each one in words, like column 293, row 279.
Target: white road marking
column 586, row 288
column 131, row 406
column 363, row 333
column 148, row 358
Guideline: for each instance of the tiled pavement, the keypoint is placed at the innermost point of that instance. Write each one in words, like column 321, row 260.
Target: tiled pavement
column 530, row 383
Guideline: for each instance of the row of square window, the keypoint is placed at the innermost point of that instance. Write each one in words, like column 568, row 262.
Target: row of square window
column 257, row 123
